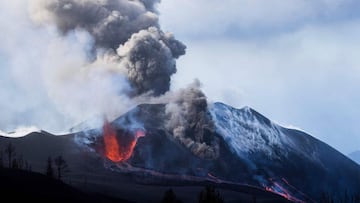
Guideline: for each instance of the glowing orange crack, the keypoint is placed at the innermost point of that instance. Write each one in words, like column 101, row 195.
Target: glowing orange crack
column 113, row 150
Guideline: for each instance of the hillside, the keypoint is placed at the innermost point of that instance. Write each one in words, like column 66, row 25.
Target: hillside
column 256, row 158
column 17, row 185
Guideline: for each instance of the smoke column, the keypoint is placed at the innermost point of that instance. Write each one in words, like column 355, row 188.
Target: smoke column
column 125, row 33
column 68, row 61
column 189, row 121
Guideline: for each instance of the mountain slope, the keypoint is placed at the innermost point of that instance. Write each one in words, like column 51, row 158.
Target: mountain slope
column 288, row 155
column 92, row 173
column 355, row 156
column 252, row 151
column 255, row 157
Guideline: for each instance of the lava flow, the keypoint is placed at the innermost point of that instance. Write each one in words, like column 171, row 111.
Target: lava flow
column 282, row 191
column 118, row 150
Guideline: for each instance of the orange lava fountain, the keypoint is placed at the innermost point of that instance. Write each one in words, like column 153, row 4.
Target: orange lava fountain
column 115, row 151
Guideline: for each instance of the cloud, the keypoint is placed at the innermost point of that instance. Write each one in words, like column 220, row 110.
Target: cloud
column 249, row 17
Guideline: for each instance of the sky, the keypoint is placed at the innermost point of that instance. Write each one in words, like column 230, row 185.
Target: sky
column 296, row 62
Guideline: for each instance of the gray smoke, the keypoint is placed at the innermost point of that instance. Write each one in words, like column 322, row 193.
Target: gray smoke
column 149, row 58
column 83, row 59
column 190, row 122
column 110, row 22
column 149, row 4
column 129, row 26
column 127, row 33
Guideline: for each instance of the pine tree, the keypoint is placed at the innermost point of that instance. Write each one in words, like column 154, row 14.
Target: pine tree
column 49, row 168
column 61, row 167
column 20, row 162
column 10, row 151
column 15, row 164
column 27, row 166
column 1, row 159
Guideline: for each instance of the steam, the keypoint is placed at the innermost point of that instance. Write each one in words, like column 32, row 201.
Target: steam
column 78, row 60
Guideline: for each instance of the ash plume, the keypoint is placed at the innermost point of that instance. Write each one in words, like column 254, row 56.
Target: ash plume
column 126, row 31
column 149, row 58
column 110, row 22
column 190, row 122
column 90, row 58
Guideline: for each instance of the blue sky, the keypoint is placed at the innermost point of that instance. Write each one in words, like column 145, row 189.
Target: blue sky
column 297, row 62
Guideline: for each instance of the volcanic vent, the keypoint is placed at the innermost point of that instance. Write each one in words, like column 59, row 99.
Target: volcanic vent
column 118, row 145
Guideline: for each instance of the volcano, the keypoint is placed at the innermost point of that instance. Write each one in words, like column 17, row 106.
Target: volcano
column 136, row 154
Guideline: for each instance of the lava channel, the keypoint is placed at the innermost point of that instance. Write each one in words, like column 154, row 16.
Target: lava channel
column 119, row 148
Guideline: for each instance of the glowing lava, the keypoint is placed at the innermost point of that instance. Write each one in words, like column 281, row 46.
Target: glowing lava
column 277, row 188
column 114, row 149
